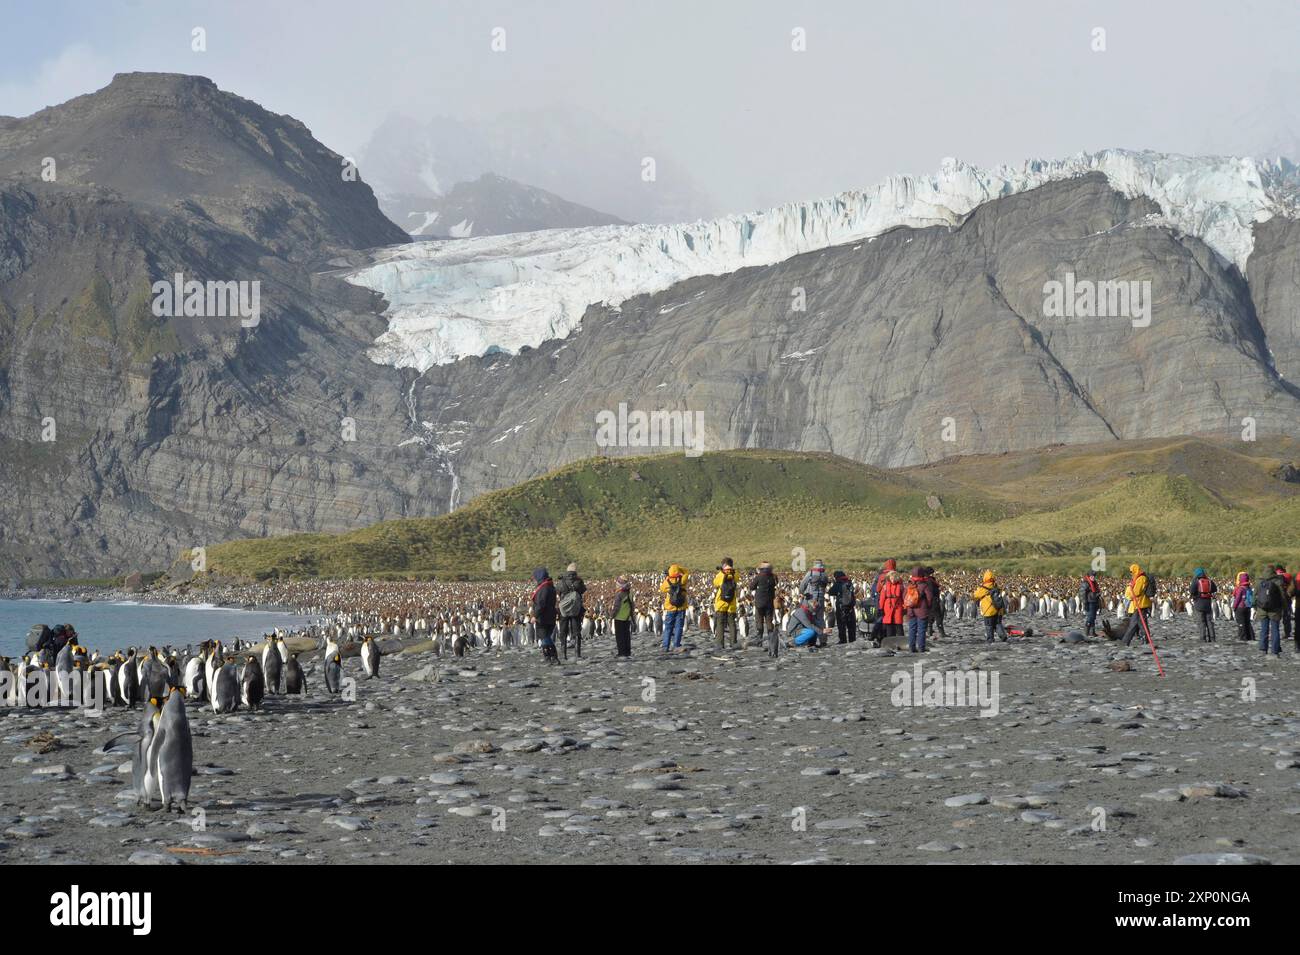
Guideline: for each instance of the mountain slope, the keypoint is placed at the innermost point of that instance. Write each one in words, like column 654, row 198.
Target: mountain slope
column 499, row 294
column 124, row 436
column 177, row 142
column 639, row 514
column 915, row 346
column 489, row 205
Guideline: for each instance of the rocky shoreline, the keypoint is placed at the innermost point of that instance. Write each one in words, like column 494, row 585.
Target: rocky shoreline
column 704, row 757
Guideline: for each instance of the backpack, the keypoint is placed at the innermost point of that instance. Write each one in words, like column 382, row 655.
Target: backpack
column 1203, row 587
column 728, row 589
column 676, row 594
column 999, row 601
column 1248, row 598
column 844, row 596
column 911, row 596
column 1150, row 591
column 1269, row 599
column 571, row 604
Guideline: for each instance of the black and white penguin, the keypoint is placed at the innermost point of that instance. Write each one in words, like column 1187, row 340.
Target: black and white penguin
column 145, row 786
column 370, row 656
column 173, row 753
column 334, row 674
column 225, row 691
column 272, row 666
column 128, row 683
column 252, row 685
column 295, row 681
column 193, row 679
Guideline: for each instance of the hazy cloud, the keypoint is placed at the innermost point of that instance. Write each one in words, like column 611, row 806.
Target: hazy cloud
column 881, row 88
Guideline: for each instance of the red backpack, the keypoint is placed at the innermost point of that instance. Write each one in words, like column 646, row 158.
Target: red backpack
column 912, row 596
column 1203, row 586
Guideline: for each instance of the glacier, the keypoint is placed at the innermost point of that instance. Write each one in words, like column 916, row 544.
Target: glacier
column 453, row 299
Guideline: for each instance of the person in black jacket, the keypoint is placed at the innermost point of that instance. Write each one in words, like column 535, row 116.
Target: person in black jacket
column 1268, row 610
column 844, row 601
column 1090, row 601
column 569, row 589
column 1202, row 593
column 763, row 588
column 544, row 610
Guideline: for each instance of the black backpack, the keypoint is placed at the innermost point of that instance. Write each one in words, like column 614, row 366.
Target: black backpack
column 728, row 589
column 676, row 595
column 1151, row 586
column 844, row 596
column 1268, row 596
column 999, row 601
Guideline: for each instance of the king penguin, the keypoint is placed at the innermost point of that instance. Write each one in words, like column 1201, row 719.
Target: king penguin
column 140, row 777
column 334, row 673
column 225, row 693
column 272, row 665
column 370, row 656
column 252, row 686
column 173, row 748
column 295, row 681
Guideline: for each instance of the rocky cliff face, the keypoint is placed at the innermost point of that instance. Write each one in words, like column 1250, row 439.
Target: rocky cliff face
column 914, row 346
column 126, row 437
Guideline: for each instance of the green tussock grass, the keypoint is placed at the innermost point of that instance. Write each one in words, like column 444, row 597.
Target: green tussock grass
column 1173, row 506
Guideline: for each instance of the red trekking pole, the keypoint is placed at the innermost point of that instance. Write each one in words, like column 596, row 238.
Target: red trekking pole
column 1142, row 618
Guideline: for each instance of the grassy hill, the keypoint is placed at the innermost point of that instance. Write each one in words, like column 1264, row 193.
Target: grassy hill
column 1175, row 503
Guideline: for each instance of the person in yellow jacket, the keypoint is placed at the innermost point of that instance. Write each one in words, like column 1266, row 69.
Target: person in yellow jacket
column 992, row 605
column 1139, row 603
column 726, row 593
column 675, row 602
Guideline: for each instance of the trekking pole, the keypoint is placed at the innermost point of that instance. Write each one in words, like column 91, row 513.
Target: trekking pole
column 1146, row 630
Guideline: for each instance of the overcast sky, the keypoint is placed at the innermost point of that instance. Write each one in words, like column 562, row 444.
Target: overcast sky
column 882, row 88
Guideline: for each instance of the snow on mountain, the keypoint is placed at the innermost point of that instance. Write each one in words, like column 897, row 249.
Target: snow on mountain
column 499, row 293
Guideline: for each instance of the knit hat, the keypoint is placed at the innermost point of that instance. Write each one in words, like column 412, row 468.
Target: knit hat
column 572, row 568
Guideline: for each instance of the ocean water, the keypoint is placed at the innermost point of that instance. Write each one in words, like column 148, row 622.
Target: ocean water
column 107, row 626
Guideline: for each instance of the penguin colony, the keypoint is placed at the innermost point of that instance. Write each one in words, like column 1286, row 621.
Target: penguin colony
column 162, row 681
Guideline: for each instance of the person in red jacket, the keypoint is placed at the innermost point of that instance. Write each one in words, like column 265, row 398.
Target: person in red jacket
column 891, row 604
column 916, row 604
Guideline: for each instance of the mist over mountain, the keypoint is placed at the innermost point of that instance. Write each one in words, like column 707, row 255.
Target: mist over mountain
column 569, row 153
column 489, row 205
